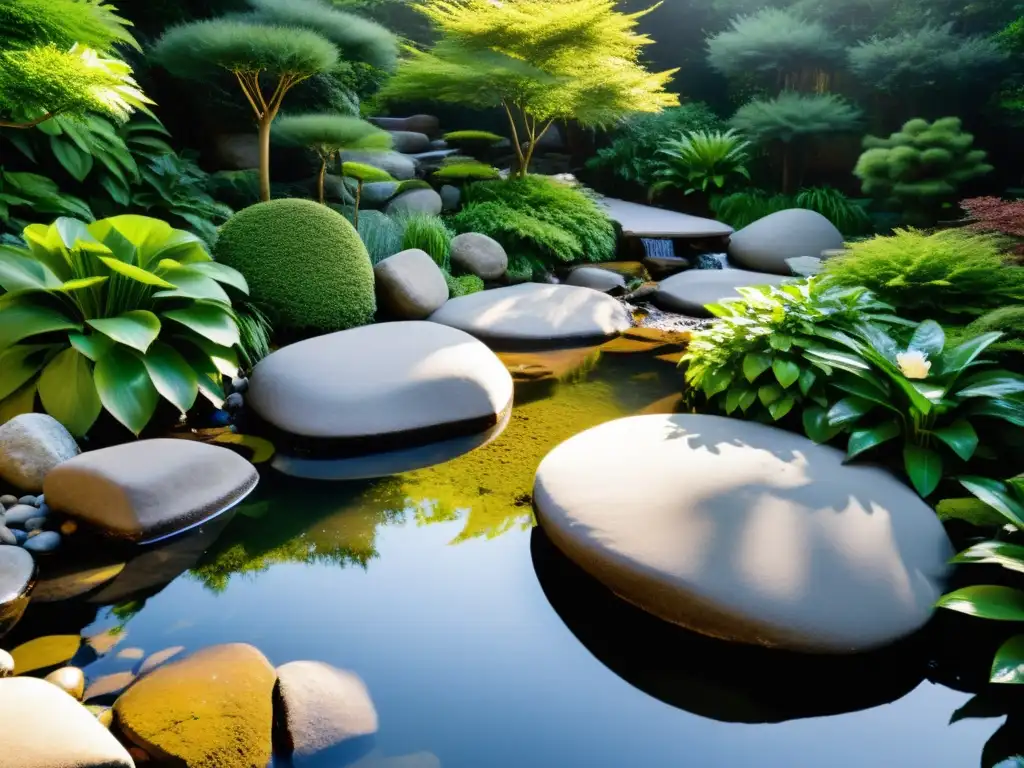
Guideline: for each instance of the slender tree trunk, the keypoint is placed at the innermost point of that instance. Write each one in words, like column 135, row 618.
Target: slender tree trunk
column 320, row 180
column 264, row 135
column 515, row 140
column 359, row 195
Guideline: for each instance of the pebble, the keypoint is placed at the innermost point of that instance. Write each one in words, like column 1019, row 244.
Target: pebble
column 68, row 527
column 47, row 541
column 240, row 384
column 6, row 664
column 40, row 499
column 20, row 537
column 35, row 524
column 20, row 514
column 32, row 501
column 220, row 418
column 43, row 510
column 71, row 680
column 234, row 402
column 7, row 536
column 8, row 500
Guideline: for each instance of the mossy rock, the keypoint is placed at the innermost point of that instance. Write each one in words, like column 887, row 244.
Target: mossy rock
column 305, row 264
column 213, row 709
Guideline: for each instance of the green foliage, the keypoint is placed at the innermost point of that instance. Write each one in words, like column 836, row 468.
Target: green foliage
column 697, row 161
column 114, row 315
column 427, row 233
column 572, row 227
column 410, row 184
column 529, row 242
column 930, row 56
column 329, row 134
column 754, row 362
column 1008, row 321
column 355, row 37
column 792, row 116
column 951, row 275
column 37, row 195
column 306, row 266
column 457, row 137
column 576, row 59
column 365, row 173
column 463, row 285
column 471, row 171
column 742, row 208
column 921, row 167
column 633, row 154
column 380, row 234
column 92, row 24
column 772, row 42
column 255, row 332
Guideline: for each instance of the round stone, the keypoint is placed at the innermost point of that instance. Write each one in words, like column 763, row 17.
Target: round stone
column 16, row 571
column 234, row 402
column 532, row 313
column 745, row 532
column 71, row 680
column 239, row 384
column 765, row 244
column 7, row 536
column 479, row 255
column 35, row 524
column 410, row 285
column 7, row 500
column 44, row 542
column 20, row 536
column 19, row 514
column 689, row 292
column 32, row 501
column 415, row 201
column 32, row 444
column 596, row 279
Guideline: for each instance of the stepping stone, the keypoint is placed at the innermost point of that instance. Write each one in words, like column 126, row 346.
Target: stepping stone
column 598, row 279
column 745, row 532
column 535, row 313
column 424, row 394
column 689, row 292
column 150, row 489
column 45, row 727
column 765, row 244
column 646, row 221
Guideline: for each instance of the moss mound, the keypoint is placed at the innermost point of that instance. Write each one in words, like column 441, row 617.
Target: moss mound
column 305, row 264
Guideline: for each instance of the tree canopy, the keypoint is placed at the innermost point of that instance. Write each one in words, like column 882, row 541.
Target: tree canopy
column 329, row 134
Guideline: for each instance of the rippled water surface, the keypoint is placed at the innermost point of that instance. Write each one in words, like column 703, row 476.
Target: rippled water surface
column 483, row 647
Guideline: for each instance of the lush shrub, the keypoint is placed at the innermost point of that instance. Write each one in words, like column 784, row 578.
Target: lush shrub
column 589, row 233
column 471, row 171
column 428, row 233
column 306, row 266
column 380, row 234
column 114, row 315
column 742, row 208
column 992, row 214
column 463, row 285
column 531, row 244
column 951, row 275
column 1008, row 321
column 701, row 159
column 920, row 167
column 633, row 153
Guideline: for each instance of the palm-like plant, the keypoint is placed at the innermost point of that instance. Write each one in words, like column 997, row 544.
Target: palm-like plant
column 699, row 159
column 113, row 314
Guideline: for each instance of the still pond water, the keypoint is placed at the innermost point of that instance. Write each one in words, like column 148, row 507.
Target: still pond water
column 483, row 647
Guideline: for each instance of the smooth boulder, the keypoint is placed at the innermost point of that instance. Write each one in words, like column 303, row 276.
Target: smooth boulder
column 213, row 709
column 451, row 196
column 398, row 165
column 149, row 489
column 321, row 707
column 30, row 446
column 44, row 727
column 427, row 124
column 415, row 201
column 535, row 312
column 377, row 193
column 597, row 279
column 479, row 255
column 409, row 142
column 764, row 245
column 745, row 532
column 410, row 285
column 17, row 571
column 689, row 292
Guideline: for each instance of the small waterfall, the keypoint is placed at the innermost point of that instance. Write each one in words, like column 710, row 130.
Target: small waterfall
column 656, row 248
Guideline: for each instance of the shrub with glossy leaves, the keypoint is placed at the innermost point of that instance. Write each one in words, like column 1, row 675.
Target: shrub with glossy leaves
column 114, row 315
column 305, row 264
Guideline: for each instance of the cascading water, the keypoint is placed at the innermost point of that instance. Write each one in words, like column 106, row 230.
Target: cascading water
column 656, row 248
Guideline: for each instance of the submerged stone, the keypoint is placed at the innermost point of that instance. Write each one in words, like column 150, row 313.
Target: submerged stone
column 689, row 292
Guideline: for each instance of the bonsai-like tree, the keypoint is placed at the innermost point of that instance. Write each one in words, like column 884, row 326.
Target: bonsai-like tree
column 538, row 60
column 777, row 44
column 920, row 167
column 254, row 54
column 57, row 57
column 791, row 120
column 363, row 173
column 328, row 135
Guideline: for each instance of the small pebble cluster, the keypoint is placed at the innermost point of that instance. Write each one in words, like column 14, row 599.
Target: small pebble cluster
column 233, row 404
column 26, row 521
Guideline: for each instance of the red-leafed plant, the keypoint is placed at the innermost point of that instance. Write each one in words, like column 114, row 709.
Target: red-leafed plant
column 992, row 214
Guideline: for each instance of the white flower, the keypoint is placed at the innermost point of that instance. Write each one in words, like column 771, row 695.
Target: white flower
column 914, row 364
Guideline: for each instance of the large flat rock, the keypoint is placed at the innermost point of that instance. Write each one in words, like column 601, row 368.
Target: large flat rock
column 645, row 221
column 745, row 532
column 149, row 489
column 689, row 292
column 535, row 312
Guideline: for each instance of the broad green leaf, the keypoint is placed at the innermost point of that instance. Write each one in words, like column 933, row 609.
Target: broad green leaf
column 865, row 439
column 18, row 365
column 135, row 273
column 849, row 410
column 747, row 399
column 209, row 377
column 192, row 285
column 172, row 376
column 136, row 329
column 997, row 383
column 780, row 408
column 24, row 320
column 94, row 346
column 1009, row 556
column 807, row 379
column 879, row 340
column 997, row 496
column 924, row 468
column 734, row 397
column 929, row 338
column 780, row 341
column 81, row 283
column 75, row 161
column 865, row 388
column 22, row 400
column 786, row 372
column 816, row 425
column 958, row 358
column 1005, row 409
column 143, row 232
column 125, row 388
column 19, row 272
column 769, row 393
column 68, row 393
column 754, row 364
column 960, row 437
column 714, row 382
column 117, row 189
column 222, row 274
column 214, row 322
column 1008, row 665
column 970, row 510
column 842, row 360
column 986, row 601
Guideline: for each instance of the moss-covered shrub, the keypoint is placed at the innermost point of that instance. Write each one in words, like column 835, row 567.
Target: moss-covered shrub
column 305, row 264
column 463, row 285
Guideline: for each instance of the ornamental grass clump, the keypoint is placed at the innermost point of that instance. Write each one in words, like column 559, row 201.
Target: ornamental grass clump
column 114, row 315
column 428, row 233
